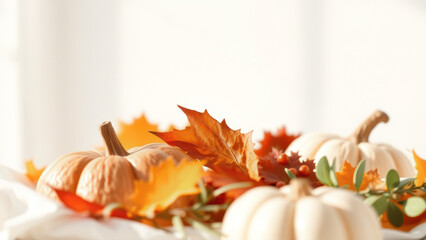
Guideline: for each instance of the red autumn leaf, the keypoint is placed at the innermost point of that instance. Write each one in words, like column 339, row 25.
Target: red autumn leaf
column 222, row 176
column 273, row 172
column 214, row 142
column 78, row 204
column 280, row 141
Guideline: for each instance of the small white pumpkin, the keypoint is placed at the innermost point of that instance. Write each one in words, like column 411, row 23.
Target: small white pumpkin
column 354, row 149
column 295, row 212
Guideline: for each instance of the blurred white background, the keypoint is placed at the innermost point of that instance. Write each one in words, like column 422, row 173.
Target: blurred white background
column 66, row 66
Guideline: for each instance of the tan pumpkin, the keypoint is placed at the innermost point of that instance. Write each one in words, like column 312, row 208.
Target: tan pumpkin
column 105, row 178
column 297, row 212
column 354, row 149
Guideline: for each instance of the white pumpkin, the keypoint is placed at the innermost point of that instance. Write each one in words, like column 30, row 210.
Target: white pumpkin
column 295, row 212
column 354, row 149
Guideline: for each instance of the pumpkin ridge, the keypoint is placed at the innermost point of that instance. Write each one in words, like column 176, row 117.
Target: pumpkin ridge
column 105, row 176
column 61, row 170
column 255, row 209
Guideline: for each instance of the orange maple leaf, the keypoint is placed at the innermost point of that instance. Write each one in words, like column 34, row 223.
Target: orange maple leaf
column 32, row 172
column 137, row 133
column 214, row 142
column 279, row 141
column 78, row 204
column 345, row 177
column 421, row 169
column 167, row 182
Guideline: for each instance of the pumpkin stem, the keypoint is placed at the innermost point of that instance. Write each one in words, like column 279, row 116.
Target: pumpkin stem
column 112, row 143
column 362, row 133
column 300, row 188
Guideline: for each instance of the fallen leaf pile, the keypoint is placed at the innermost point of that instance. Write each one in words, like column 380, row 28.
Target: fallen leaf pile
column 187, row 194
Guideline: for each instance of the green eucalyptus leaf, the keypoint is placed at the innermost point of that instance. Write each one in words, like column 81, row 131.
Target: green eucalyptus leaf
column 395, row 216
column 406, row 182
column 203, row 227
column 359, row 175
column 203, row 192
column 289, row 173
column 179, row 227
column 216, row 225
column 230, row 187
column 392, row 179
column 333, row 178
column 379, row 203
column 323, row 171
column 213, row 207
column 414, row 206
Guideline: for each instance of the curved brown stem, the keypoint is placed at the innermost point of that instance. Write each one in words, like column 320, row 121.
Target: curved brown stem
column 300, row 188
column 362, row 133
column 111, row 141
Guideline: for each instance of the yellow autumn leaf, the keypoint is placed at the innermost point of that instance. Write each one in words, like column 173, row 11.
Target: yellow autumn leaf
column 167, row 183
column 137, row 133
column 33, row 173
column 421, row 169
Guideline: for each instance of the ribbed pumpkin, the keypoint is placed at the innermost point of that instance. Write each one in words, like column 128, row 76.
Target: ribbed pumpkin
column 295, row 212
column 354, row 149
column 105, row 178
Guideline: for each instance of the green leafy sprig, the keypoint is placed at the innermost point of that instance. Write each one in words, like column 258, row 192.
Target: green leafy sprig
column 381, row 200
column 200, row 215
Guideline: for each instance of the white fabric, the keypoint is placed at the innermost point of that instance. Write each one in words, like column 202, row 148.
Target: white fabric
column 24, row 214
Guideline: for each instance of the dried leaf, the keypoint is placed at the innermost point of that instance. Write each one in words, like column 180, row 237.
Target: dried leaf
column 421, row 169
column 78, row 204
column 33, row 173
column 372, row 178
column 167, row 183
column 345, row 177
column 273, row 172
column 279, row 141
column 214, row 142
column 223, row 176
column 137, row 133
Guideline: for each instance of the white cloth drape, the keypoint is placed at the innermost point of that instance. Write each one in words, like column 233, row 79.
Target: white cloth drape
column 25, row 214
